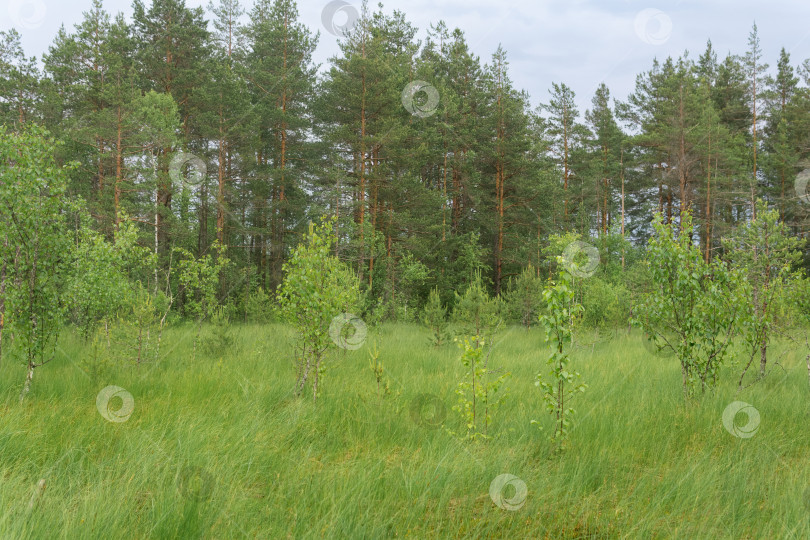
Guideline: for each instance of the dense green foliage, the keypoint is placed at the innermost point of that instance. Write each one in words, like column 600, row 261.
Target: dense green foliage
column 317, row 290
column 694, row 307
column 165, row 178
column 35, row 241
column 201, row 126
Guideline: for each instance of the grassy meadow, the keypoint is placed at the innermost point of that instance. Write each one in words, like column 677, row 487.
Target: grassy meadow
column 217, row 447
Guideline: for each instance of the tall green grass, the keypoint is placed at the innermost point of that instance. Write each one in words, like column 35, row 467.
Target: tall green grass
column 217, row 447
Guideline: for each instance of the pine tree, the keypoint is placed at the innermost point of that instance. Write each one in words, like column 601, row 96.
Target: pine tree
column 281, row 86
column 19, row 82
column 754, row 70
column 507, row 163
column 172, row 50
column 781, row 154
column 607, row 144
column 361, row 103
column 566, row 135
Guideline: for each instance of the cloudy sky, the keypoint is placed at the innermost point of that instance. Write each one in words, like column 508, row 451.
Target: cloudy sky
column 578, row 42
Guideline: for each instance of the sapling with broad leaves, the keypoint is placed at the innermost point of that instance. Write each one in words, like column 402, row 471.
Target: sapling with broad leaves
column 101, row 286
column 199, row 278
column 766, row 253
column 317, row 287
column 693, row 307
column 36, row 245
column 561, row 384
column 479, row 392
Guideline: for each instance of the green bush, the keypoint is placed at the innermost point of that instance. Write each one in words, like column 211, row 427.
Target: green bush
column 523, row 299
column 317, row 289
column 607, row 305
column 259, row 307
column 220, row 339
column 435, row 318
column 476, row 313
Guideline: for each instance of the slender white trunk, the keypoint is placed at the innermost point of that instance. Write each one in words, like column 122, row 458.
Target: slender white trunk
column 28, row 378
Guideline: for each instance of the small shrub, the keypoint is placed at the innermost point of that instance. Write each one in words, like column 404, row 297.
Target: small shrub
column 259, row 307
column 435, row 318
column 317, row 287
column 220, row 337
column 478, row 396
column 383, row 384
column 524, row 296
column 605, row 305
column 476, row 314
column 699, row 303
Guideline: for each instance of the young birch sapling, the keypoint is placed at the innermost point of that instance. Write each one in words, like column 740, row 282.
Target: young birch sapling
column 694, row 308
column 199, row 278
column 317, row 287
column 478, row 392
column 561, row 384
column 766, row 252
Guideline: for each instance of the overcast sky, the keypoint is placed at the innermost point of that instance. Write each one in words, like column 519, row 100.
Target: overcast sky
column 580, row 43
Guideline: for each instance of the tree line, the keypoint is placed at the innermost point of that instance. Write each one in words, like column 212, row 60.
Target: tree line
column 206, row 135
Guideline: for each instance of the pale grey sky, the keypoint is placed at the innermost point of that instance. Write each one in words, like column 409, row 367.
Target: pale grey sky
column 579, row 42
